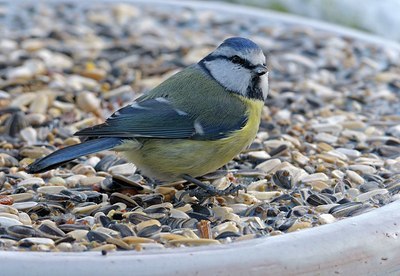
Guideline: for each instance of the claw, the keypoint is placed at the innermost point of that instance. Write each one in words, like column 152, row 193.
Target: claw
column 205, row 190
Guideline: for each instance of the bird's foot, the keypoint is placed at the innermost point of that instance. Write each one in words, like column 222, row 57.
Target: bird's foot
column 205, row 190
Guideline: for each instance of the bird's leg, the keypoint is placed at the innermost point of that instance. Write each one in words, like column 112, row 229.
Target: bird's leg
column 209, row 190
column 153, row 183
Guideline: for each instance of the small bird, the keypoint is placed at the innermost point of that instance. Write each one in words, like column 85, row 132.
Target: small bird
column 193, row 123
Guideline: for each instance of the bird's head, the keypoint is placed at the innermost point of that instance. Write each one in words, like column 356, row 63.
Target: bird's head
column 238, row 64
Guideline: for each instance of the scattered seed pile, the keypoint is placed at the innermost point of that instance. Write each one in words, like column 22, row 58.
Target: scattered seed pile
column 328, row 146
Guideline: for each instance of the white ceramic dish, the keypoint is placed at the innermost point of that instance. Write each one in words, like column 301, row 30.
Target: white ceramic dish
column 362, row 245
column 365, row 245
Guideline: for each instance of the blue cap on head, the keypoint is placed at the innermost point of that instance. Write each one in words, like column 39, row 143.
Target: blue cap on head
column 240, row 44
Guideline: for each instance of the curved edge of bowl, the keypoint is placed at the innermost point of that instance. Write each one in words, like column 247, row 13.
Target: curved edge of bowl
column 263, row 13
column 366, row 244
column 282, row 17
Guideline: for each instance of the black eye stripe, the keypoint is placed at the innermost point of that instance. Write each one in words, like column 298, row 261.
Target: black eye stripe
column 238, row 60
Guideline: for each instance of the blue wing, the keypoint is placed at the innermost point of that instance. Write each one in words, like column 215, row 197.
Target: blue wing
column 158, row 118
column 66, row 154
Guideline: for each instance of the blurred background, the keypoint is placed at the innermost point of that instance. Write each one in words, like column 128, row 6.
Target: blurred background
column 373, row 16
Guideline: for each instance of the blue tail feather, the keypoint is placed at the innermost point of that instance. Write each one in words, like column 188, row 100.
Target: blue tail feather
column 67, row 154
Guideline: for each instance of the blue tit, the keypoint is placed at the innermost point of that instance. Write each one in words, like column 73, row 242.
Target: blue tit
column 193, row 123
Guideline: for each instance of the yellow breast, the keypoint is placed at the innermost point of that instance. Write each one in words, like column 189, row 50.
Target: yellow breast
column 242, row 138
column 168, row 159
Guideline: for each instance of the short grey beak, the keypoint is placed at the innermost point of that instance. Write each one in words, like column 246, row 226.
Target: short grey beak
column 261, row 69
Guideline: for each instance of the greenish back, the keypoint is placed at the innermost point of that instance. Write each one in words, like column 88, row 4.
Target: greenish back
column 188, row 105
column 196, row 93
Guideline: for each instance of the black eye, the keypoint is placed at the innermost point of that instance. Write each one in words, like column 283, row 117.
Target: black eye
column 237, row 59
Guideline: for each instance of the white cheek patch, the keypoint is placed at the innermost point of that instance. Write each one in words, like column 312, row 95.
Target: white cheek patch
column 234, row 78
